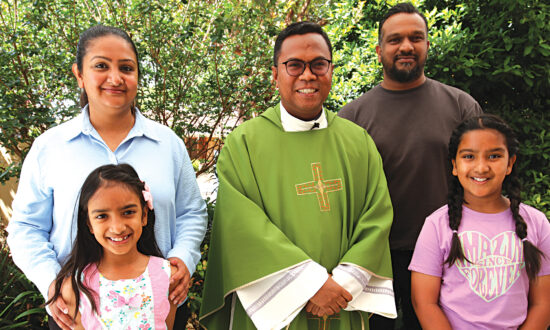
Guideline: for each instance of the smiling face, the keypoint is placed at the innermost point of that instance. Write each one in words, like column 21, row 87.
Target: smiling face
column 403, row 51
column 109, row 74
column 116, row 219
column 303, row 96
column 481, row 164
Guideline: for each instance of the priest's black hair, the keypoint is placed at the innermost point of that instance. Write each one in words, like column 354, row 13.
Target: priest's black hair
column 299, row 28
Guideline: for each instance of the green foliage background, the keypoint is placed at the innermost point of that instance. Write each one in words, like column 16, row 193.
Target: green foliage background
column 206, row 66
column 19, row 299
column 496, row 50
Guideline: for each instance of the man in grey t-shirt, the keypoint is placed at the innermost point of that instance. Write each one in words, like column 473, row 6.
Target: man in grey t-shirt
column 410, row 117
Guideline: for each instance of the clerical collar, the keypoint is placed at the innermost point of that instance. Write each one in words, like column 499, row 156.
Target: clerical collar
column 293, row 124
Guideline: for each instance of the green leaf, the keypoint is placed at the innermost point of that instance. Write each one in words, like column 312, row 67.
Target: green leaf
column 19, row 297
column 31, row 311
column 15, row 326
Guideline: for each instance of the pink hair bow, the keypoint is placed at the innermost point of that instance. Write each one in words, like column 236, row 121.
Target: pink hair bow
column 147, row 196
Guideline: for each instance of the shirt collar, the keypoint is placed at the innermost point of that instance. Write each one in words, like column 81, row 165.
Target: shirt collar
column 144, row 127
column 293, row 124
column 82, row 125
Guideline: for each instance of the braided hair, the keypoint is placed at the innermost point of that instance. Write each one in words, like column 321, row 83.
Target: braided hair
column 511, row 185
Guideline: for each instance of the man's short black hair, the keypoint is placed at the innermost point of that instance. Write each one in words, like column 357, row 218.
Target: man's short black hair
column 298, row 28
column 404, row 7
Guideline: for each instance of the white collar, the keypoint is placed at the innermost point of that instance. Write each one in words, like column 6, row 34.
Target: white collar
column 293, row 124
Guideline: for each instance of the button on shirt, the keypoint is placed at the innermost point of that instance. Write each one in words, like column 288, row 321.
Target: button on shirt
column 43, row 224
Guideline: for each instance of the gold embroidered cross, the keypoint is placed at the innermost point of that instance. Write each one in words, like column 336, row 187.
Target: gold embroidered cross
column 324, row 322
column 319, row 186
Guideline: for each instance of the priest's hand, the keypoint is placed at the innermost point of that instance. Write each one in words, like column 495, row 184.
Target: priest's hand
column 330, row 298
column 180, row 281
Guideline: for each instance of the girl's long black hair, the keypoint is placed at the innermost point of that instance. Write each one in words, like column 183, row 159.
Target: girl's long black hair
column 511, row 186
column 86, row 250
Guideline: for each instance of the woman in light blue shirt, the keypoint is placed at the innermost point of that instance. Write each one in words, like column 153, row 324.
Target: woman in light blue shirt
column 110, row 130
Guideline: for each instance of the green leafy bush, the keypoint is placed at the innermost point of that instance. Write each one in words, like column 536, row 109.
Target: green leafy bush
column 195, row 291
column 496, row 50
column 499, row 51
column 206, row 67
column 19, row 298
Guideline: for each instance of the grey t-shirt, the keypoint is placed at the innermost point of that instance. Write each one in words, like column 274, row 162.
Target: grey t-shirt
column 411, row 130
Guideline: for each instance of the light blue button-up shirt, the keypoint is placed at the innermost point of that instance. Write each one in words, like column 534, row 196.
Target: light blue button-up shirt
column 43, row 225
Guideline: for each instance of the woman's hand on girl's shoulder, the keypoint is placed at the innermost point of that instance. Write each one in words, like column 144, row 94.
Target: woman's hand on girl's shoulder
column 68, row 296
column 59, row 309
column 181, row 277
column 173, row 307
column 173, row 270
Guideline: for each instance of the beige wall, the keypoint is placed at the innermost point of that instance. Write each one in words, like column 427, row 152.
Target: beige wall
column 7, row 190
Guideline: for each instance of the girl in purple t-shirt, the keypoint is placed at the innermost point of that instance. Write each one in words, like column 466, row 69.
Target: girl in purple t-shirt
column 482, row 261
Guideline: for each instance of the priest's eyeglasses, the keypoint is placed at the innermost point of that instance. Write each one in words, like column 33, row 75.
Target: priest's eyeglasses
column 318, row 67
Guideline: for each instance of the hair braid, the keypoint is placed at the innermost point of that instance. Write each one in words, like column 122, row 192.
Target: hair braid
column 531, row 254
column 455, row 198
column 511, row 185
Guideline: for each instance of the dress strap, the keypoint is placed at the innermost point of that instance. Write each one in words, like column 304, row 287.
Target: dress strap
column 89, row 319
column 160, row 285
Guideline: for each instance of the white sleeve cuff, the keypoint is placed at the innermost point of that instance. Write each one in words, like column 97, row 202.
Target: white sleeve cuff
column 274, row 301
column 370, row 293
column 351, row 278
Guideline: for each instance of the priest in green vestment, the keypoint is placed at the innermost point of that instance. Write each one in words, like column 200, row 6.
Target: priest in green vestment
column 302, row 219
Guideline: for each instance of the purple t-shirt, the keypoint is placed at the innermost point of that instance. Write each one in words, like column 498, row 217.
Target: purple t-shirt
column 492, row 292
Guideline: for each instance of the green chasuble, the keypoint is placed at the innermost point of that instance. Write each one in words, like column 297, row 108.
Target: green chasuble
column 288, row 197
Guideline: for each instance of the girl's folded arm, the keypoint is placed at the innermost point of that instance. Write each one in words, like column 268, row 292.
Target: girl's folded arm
column 538, row 313
column 425, row 296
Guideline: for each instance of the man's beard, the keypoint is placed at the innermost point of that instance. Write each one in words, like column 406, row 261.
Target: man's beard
column 404, row 75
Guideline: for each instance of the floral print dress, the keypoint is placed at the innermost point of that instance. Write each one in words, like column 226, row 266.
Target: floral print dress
column 138, row 303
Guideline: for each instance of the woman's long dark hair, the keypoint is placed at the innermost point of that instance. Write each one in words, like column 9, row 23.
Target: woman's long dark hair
column 511, row 186
column 86, row 250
